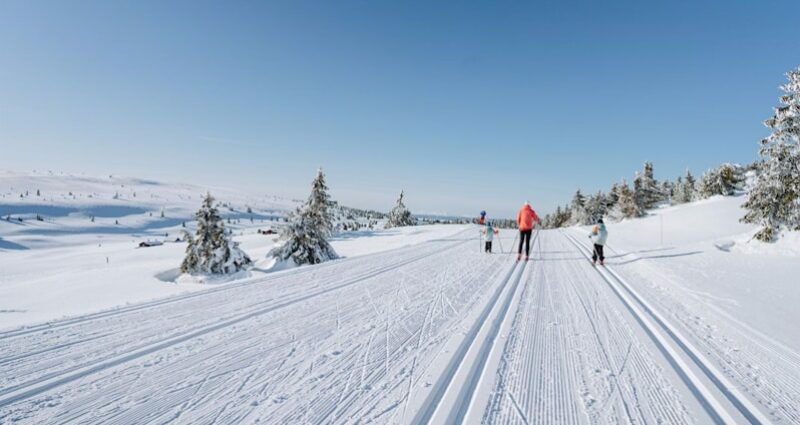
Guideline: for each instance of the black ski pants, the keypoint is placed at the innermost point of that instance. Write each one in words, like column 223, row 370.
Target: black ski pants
column 525, row 236
column 488, row 246
column 598, row 253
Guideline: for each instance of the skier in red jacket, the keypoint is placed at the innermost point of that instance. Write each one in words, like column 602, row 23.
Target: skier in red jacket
column 526, row 219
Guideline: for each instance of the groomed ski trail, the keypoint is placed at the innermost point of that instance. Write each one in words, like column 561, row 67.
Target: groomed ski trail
column 432, row 333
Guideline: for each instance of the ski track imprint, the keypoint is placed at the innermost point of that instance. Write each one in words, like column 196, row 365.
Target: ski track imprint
column 363, row 340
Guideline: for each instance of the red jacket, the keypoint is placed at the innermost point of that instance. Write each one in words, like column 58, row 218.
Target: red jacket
column 527, row 218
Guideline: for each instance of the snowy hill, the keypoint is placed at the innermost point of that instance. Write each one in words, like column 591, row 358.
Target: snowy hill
column 69, row 244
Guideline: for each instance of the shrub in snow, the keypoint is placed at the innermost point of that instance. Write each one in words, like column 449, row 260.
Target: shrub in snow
column 211, row 251
column 305, row 236
column 399, row 216
column 724, row 180
column 774, row 201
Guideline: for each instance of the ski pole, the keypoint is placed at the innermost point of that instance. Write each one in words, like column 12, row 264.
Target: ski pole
column 500, row 242
column 516, row 235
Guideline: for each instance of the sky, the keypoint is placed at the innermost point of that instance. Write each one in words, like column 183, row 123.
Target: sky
column 467, row 106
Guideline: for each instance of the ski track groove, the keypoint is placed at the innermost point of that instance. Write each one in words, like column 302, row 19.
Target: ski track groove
column 569, row 342
column 776, row 389
column 80, row 368
column 666, row 336
column 364, row 336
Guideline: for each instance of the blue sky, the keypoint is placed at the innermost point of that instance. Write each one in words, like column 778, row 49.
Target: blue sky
column 466, row 106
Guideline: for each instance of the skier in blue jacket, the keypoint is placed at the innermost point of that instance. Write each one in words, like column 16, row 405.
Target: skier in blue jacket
column 599, row 235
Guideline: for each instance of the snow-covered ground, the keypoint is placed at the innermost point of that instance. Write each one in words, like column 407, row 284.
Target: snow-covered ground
column 417, row 326
column 68, row 264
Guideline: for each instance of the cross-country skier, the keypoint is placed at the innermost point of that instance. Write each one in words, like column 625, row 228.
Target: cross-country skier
column 526, row 219
column 488, row 234
column 599, row 235
column 482, row 220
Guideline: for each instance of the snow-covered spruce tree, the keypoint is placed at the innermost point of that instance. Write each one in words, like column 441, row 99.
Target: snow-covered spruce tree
column 577, row 209
column 211, row 251
column 724, row 180
column 399, row 216
column 645, row 189
column 626, row 206
column 595, row 207
column 305, row 237
column 684, row 189
column 613, row 196
column 774, row 201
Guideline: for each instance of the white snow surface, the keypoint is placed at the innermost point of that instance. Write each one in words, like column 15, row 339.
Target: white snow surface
column 699, row 327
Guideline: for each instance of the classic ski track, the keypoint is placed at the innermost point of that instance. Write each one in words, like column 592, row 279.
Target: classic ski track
column 140, row 334
column 458, row 361
column 118, row 311
column 766, row 368
column 52, row 325
column 49, row 381
column 667, row 336
column 570, row 356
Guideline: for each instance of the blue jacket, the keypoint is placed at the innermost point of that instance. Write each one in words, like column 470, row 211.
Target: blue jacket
column 599, row 234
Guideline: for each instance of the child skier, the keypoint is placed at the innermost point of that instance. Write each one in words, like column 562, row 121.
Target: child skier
column 599, row 235
column 489, row 231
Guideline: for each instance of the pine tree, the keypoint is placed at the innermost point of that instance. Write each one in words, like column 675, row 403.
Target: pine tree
column 679, row 192
column 211, row 250
column 774, row 201
column 626, row 206
column 577, row 209
column 724, row 180
column 305, row 236
column 645, row 189
column 613, row 196
column 689, row 187
column 399, row 216
column 319, row 205
column 595, row 208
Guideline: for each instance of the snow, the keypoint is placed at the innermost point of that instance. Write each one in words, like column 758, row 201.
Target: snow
column 415, row 325
column 68, row 265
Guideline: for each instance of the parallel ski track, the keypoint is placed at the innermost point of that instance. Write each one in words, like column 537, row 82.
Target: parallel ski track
column 111, row 333
column 476, row 365
column 665, row 335
column 766, row 367
column 52, row 380
column 61, row 323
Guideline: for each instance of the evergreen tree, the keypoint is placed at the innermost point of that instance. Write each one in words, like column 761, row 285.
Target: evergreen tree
column 626, row 206
column 645, row 189
column 689, row 187
column 613, row 196
column 399, row 216
column 679, row 192
column 595, row 208
column 724, row 180
column 319, row 205
column 774, row 201
column 305, row 236
column 577, row 209
column 211, row 250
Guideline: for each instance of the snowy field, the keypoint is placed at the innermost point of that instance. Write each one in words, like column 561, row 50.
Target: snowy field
column 84, row 255
column 689, row 322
